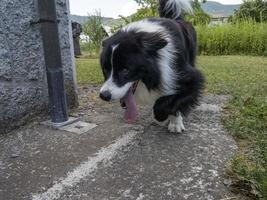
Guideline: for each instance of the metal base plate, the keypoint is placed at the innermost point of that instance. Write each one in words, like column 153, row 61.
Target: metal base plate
column 73, row 125
column 78, row 127
column 51, row 124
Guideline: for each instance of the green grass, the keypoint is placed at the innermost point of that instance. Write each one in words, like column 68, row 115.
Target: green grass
column 243, row 38
column 244, row 78
column 88, row 71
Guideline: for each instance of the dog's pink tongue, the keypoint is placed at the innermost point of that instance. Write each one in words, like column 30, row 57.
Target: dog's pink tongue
column 131, row 112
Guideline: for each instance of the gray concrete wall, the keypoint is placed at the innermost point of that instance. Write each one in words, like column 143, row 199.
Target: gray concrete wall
column 23, row 87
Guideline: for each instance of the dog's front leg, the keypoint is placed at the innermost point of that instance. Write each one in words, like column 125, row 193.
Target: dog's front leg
column 161, row 109
column 165, row 114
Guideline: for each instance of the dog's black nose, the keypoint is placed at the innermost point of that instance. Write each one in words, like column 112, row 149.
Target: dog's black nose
column 106, row 95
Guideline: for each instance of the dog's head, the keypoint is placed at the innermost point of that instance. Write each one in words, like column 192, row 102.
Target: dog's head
column 127, row 57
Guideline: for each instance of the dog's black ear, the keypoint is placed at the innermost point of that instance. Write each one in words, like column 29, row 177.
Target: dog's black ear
column 151, row 41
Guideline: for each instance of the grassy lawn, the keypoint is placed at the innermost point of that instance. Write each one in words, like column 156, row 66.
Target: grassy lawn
column 245, row 79
column 88, row 71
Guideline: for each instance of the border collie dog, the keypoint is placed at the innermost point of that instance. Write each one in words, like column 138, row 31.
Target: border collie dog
column 152, row 61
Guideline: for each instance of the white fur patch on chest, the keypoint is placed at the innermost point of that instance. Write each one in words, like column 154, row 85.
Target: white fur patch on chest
column 144, row 96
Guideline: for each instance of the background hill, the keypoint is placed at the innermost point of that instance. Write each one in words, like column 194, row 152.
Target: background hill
column 82, row 19
column 215, row 8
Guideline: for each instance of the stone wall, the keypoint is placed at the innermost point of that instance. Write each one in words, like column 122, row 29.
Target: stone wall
column 23, row 86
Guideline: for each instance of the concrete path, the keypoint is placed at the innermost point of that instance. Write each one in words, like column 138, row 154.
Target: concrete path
column 116, row 160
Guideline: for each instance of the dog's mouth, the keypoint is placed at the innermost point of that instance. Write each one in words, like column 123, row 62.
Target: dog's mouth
column 129, row 105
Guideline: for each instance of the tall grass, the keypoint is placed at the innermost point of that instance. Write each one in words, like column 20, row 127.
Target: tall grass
column 240, row 38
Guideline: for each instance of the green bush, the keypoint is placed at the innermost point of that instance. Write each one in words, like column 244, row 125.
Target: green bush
column 251, row 9
column 85, row 46
column 241, row 38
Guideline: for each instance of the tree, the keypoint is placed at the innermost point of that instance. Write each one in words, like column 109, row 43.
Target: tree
column 149, row 8
column 199, row 17
column 94, row 30
column 251, row 9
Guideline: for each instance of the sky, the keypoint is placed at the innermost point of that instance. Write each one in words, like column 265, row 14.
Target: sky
column 114, row 8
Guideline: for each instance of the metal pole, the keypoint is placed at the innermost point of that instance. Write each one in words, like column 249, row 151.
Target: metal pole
column 53, row 61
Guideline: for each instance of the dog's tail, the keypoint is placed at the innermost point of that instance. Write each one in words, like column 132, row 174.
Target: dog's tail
column 173, row 8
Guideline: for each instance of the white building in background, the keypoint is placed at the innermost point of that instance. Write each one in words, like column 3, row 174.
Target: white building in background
column 218, row 19
column 106, row 29
column 84, row 38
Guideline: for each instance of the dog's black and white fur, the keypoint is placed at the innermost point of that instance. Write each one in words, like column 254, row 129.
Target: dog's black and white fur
column 161, row 54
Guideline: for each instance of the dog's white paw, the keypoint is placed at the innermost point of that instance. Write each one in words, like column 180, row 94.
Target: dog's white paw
column 176, row 124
